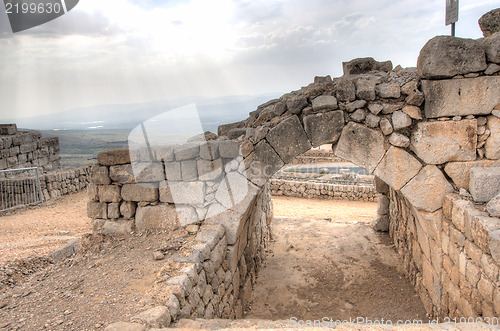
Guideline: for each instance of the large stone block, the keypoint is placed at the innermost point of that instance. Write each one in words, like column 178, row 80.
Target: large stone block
column 324, row 128
column 363, row 146
column 109, row 193
column 289, row 139
column 459, row 172
column 122, row 174
column 492, row 48
column 114, row 156
column 444, row 141
column 461, row 97
column 159, row 217
column 262, row 163
column 365, row 65
column 445, row 57
column 397, row 167
column 484, row 183
column 148, row 172
column 492, row 146
column 8, row 129
column 187, row 151
column 209, row 170
column 189, row 193
column 100, row 175
column 323, row 102
column 97, row 209
column 140, row 192
column 346, row 90
column 490, row 22
column 426, row 190
column 493, row 206
column 365, row 89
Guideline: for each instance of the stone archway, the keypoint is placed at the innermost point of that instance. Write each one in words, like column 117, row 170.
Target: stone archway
column 426, row 132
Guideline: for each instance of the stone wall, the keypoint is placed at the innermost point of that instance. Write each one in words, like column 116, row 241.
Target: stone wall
column 451, row 257
column 61, row 182
column 423, row 132
column 24, row 149
column 312, row 190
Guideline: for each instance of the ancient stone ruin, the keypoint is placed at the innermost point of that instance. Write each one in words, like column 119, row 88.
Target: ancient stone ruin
column 431, row 135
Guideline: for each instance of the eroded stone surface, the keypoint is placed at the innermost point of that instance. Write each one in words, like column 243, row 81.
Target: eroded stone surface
column 289, row 139
column 492, row 146
column 324, row 128
column 397, row 168
column 444, row 141
column 461, row 97
column 361, row 145
column 427, row 189
column 160, row 217
column 446, row 56
column 459, row 172
column 484, row 183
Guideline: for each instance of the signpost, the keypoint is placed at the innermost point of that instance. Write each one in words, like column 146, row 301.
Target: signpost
column 452, row 14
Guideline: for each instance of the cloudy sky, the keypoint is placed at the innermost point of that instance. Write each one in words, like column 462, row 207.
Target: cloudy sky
column 130, row 51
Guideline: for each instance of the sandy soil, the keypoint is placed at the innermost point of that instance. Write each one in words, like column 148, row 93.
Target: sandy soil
column 38, row 230
column 331, row 264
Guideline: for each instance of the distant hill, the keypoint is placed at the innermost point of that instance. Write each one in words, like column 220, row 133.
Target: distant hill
column 213, row 112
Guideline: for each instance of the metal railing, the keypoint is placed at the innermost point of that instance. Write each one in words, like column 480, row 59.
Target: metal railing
column 19, row 188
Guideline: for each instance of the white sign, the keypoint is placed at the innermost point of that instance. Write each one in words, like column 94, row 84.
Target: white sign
column 451, row 11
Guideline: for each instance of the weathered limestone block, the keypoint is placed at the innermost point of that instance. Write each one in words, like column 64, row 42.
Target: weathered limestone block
column 400, row 120
column 413, row 111
column 359, row 115
column 492, row 146
column 187, row 151
column 492, row 48
column 324, row 102
column 159, row 217
column 262, row 163
column 119, row 227
column 188, row 193
column 493, row 206
column 231, row 221
column 484, row 183
column 140, row 192
column 490, row 22
column 352, row 106
column 186, row 215
column 427, row 189
column 365, row 65
column 97, row 209
column 386, row 126
column 99, row 175
column 289, row 139
column 295, row 105
column 189, row 170
column 127, row 209
column 109, row 193
column 388, row 90
column 173, row 171
column 229, row 149
column 445, row 57
column 114, row 210
column 122, row 174
column 361, row 145
column 372, row 120
column 399, row 140
column 324, row 128
column 380, row 186
column 8, row 129
column 459, row 172
column 381, row 223
column 114, row 156
column 164, row 153
column 365, row 89
column 148, row 172
column 397, row 167
column 444, row 141
column 346, row 90
column 209, row 170
column 461, row 97
column 157, row 317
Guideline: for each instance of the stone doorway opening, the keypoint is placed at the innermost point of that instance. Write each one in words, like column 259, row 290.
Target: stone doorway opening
column 325, row 260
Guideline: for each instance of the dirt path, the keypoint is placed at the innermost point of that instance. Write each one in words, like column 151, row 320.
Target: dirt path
column 38, row 230
column 331, row 264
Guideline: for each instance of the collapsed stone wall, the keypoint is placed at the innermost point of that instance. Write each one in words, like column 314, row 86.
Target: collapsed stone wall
column 24, row 149
column 312, row 190
column 422, row 131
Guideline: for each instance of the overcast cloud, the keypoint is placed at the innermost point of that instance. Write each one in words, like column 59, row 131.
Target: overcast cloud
column 127, row 51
